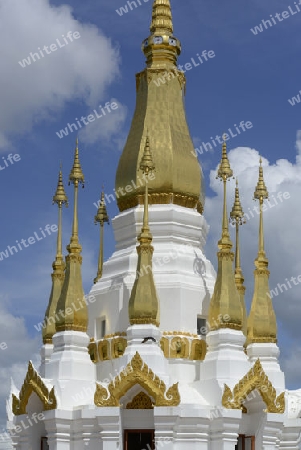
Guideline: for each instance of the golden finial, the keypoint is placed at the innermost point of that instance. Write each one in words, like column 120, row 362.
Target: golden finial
column 225, row 310
column 147, row 167
column 224, row 173
column 161, row 17
column 237, row 219
column 60, row 196
column 261, row 194
column 58, row 265
column 161, row 48
column 76, row 175
column 262, row 325
column 144, row 303
column 146, row 164
column 71, row 302
column 101, row 218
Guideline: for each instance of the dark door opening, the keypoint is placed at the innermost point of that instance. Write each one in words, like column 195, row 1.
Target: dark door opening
column 245, row 442
column 44, row 443
column 139, row 440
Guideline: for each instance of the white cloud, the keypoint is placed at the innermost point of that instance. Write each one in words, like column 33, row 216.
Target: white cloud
column 14, row 359
column 282, row 222
column 103, row 127
column 283, row 245
column 83, row 69
column 292, row 366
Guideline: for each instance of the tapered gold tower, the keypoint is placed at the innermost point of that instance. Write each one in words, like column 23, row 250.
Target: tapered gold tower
column 225, row 310
column 262, row 326
column 71, row 309
column 58, row 265
column 157, row 48
column 144, row 303
column 237, row 218
column 161, row 17
column 101, row 218
column 160, row 114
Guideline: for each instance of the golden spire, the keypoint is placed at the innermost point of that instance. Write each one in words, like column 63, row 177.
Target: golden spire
column 161, row 48
column 160, row 109
column 76, row 177
column 262, row 326
column 237, row 218
column 71, row 311
column 161, row 17
column 58, row 265
column 225, row 309
column 144, row 303
column 101, row 217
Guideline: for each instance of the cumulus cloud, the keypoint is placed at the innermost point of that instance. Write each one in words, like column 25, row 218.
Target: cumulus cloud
column 21, row 310
column 13, row 359
column 104, row 127
column 292, row 366
column 282, row 221
column 83, row 69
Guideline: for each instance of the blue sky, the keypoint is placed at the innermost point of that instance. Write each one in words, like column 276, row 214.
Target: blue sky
column 251, row 78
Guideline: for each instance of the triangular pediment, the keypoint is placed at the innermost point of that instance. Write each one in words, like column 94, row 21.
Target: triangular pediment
column 255, row 379
column 140, row 401
column 137, row 372
column 33, row 383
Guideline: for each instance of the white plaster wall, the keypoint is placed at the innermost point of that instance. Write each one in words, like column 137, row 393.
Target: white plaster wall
column 183, row 276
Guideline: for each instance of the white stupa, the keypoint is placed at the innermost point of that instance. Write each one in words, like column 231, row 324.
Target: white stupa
column 160, row 354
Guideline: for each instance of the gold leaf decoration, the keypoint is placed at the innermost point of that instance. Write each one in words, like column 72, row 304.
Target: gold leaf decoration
column 33, row 383
column 118, row 347
column 160, row 198
column 182, row 345
column 254, row 379
column 227, row 398
column 198, row 349
column 92, row 348
column 140, row 401
column 136, row 372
